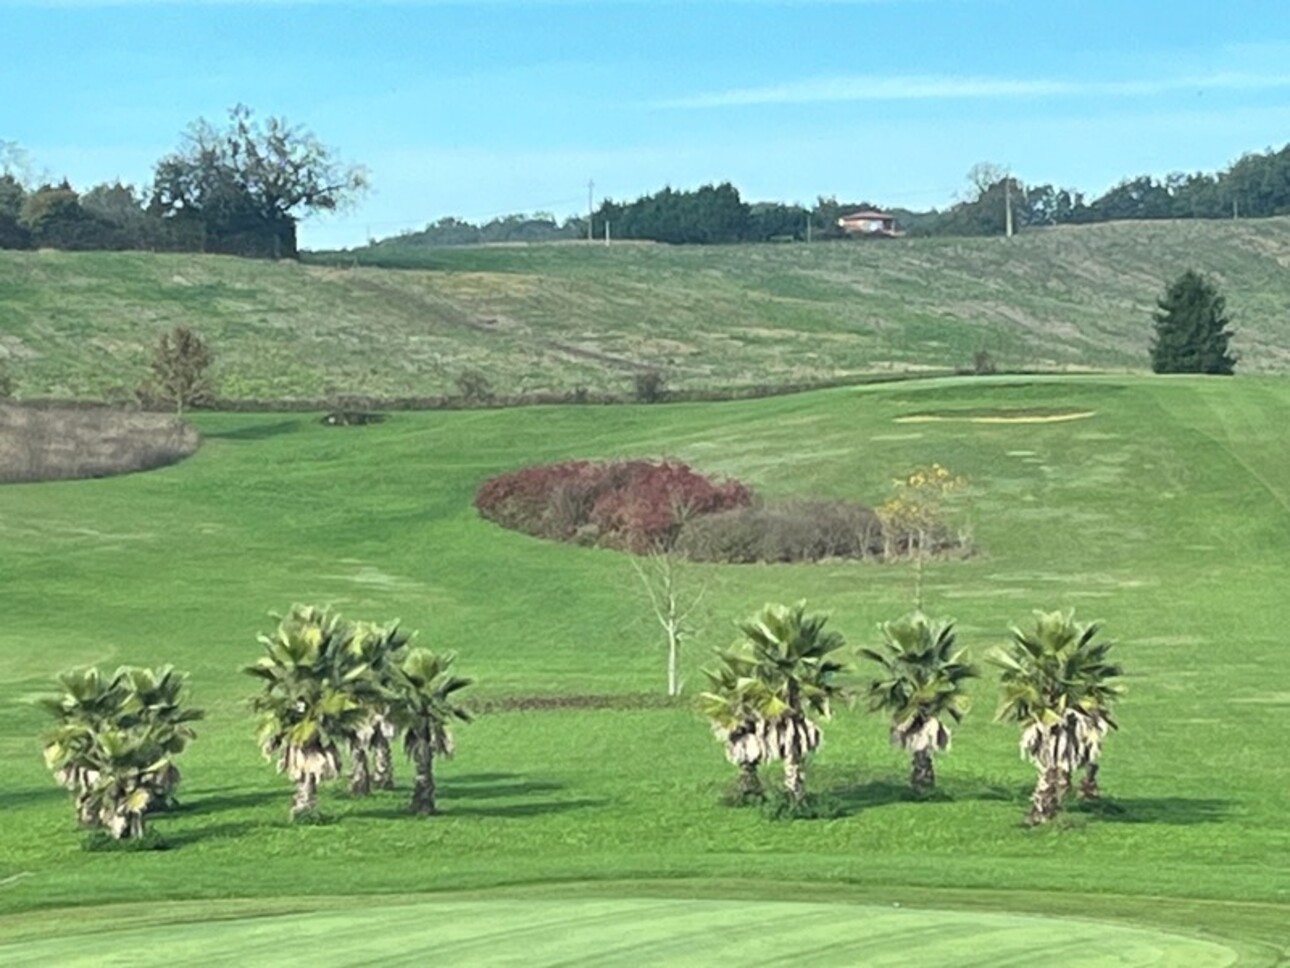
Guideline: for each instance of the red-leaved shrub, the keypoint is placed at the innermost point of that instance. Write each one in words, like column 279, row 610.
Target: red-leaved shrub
column 636, row 505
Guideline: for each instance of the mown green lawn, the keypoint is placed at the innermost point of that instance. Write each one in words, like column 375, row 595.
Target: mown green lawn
column 564, row 929
column 1166, row 513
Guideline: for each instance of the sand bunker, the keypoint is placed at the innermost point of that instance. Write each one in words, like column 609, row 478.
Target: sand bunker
column 1028, row 415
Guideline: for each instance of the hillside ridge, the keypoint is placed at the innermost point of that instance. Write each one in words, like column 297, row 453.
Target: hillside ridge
column 556, row 317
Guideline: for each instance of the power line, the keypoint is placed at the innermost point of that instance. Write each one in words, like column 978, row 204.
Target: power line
column 474, row 217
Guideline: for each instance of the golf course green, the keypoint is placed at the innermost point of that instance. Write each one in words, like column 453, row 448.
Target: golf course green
column 588, row 827
column 613, row 931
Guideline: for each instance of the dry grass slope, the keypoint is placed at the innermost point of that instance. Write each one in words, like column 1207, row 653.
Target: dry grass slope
column 39, row 444
column 551, row 318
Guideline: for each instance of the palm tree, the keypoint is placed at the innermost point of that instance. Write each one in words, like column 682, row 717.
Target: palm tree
column 115, row 742
column 379, row 648
column 921, row 686
column 793, row 681
column 127, row 762
column 730, row 706
column 311, row 698
column 88, row 700
column 424, row 708
column 153, row 699
column 1059, row 685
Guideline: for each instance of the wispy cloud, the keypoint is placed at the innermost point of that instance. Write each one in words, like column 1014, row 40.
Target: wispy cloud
column 931, row 87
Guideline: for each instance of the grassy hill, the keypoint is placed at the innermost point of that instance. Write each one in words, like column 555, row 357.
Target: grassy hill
column 405, row 322
column 1165, row 512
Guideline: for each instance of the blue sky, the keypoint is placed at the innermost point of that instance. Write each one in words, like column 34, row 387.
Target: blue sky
column 493, row 106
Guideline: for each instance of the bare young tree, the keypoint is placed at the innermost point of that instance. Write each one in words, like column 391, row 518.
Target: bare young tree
column 673, row 596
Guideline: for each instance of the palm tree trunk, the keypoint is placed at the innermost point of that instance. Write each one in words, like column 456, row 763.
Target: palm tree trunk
column 360, row 777
column 306, row 797
column 1063, row 784
column 1046, row 800
column 749, row 783
column 85, row 810
column 922, row 775
column 1088, row 788
column 423, row 790
column 794, row 782
column 382, row 762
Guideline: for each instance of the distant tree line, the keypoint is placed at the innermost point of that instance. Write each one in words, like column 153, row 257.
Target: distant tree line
column 239, row 190
column 708, row 215
column 1257, row 185
column 538, row 227
column 242, row 188
column 711, row 214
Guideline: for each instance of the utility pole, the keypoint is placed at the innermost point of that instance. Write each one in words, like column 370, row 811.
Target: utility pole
column 808, row 226
column 1007, row 195
column 591, row 187
column 606, row 231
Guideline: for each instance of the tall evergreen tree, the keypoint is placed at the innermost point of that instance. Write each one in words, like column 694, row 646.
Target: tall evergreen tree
column 1191, row 329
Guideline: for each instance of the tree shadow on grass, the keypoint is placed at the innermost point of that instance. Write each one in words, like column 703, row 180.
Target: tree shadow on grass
column 10, row 799
column 462, row 796
column 855, row 797
column 216, row 831
column 531, row 809
column 484, row 777
column 1171, row 811
column 263, row 431
column 1144, row 810
column 217, row 801
column 454, row 789
column 470, row 786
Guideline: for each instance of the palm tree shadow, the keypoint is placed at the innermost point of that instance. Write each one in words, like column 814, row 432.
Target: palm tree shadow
column 218, row 831
column 855, row 797
column 529, row 809
column 1171, row 811
column 496, row 791
column 21, row 798
column 471, row 778
column 449, row 806
column 468, row 795
column 218, row 801
column 256, row 431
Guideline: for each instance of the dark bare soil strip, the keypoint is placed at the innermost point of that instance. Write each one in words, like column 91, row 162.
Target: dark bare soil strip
column 507, row 704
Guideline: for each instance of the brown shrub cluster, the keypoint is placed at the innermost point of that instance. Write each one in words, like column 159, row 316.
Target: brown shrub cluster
column 796, row 530
column 635, row 505
column 641, row 506
column 45, row 444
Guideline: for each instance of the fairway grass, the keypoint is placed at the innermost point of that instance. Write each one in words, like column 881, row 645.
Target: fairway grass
column 1166, row 514
column 586, row 930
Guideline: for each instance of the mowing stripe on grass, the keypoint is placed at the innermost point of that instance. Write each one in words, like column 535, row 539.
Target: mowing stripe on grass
column 616, row 931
